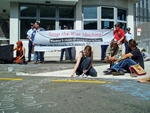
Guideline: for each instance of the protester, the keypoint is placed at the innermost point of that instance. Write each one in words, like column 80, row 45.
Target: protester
column 30, row 46
column 145, row 55
column 128, row 36
column 84, row 63
column 126, row 60
column 41, row 53
column 119, row 36
column 104, row 48
column 20, row 53
column 63, row 50
column 113, row 52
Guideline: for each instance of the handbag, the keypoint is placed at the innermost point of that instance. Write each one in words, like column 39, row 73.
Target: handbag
column 137, row 70
column 32, row 50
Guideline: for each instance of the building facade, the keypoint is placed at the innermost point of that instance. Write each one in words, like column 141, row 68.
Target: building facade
column 53, row 14
column 142, row 20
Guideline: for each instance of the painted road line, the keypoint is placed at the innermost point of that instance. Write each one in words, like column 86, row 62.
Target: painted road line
column 10, row 78
column 83, row 81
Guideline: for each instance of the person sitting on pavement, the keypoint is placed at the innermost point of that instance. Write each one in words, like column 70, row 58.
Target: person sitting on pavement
column 20, row 53
column 145, row 55
column 132, row 58
column 113, row 51
column 83, row 66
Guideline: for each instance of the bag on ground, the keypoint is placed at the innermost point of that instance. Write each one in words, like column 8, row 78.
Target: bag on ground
column 137, row 69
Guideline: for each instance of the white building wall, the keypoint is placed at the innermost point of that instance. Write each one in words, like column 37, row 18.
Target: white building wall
column 14, row 23
column 130, row 17
column 118, row 3
column 78, row 23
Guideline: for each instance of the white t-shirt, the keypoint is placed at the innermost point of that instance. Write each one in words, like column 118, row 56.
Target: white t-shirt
column 30, row 31
column 146, row 55
column 128, row 36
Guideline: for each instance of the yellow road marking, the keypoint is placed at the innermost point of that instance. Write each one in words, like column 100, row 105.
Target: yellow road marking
column 83, row 81
column 10, row 78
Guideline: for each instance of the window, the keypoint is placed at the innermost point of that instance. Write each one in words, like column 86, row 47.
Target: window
column 90, row 25
column 25, row 26
column 122, row 15
column 66, row 12
column 4, row 28
column 107, row 24
column 28, row 11
column 48, row 24
column 47, row 11
column 69, row 24
column 105, row 18
column 107, row 13
column 48, row 15
column 90, row 12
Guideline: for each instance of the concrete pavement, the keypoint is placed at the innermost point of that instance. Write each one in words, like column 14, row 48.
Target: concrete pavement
column 67, row 72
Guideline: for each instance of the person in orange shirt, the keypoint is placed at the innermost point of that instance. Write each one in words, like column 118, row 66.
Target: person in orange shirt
column 20, row 53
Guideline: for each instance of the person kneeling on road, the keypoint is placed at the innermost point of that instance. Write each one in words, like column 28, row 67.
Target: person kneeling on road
column 83, row 66
column 132, row 58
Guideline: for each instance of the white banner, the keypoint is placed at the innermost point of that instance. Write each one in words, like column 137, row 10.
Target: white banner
column 58, row 39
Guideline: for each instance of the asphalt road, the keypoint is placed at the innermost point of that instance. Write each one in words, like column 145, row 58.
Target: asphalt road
column 26, row 94
column 64, row 95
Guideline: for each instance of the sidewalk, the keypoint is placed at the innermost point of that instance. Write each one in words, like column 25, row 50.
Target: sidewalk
column 99, row 69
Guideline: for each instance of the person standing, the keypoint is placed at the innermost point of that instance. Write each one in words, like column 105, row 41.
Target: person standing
column 128, row 36
column 104, row 48
column 63, row 50
column 37, row 29
column 119, row 35
column 30, row 46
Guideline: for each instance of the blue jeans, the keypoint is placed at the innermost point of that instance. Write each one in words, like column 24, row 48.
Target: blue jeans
column 84, row 66
column 62, row 53
column 36, row 56
column 29, row 50
column 103, row 51
column 124, row 64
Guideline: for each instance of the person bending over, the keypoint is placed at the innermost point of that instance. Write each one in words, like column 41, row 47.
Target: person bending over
column 132, row 58
column 84, row 63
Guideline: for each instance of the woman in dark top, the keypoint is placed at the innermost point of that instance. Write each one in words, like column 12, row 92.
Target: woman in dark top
column 126, row 60
column 84, row 63
column 20, row 53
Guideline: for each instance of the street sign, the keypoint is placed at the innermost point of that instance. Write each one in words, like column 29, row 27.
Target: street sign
column 138, row 33
column 139, row 29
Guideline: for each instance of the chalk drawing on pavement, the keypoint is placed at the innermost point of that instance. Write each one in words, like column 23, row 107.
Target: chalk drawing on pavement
column 29, row 100
column 133, row 88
